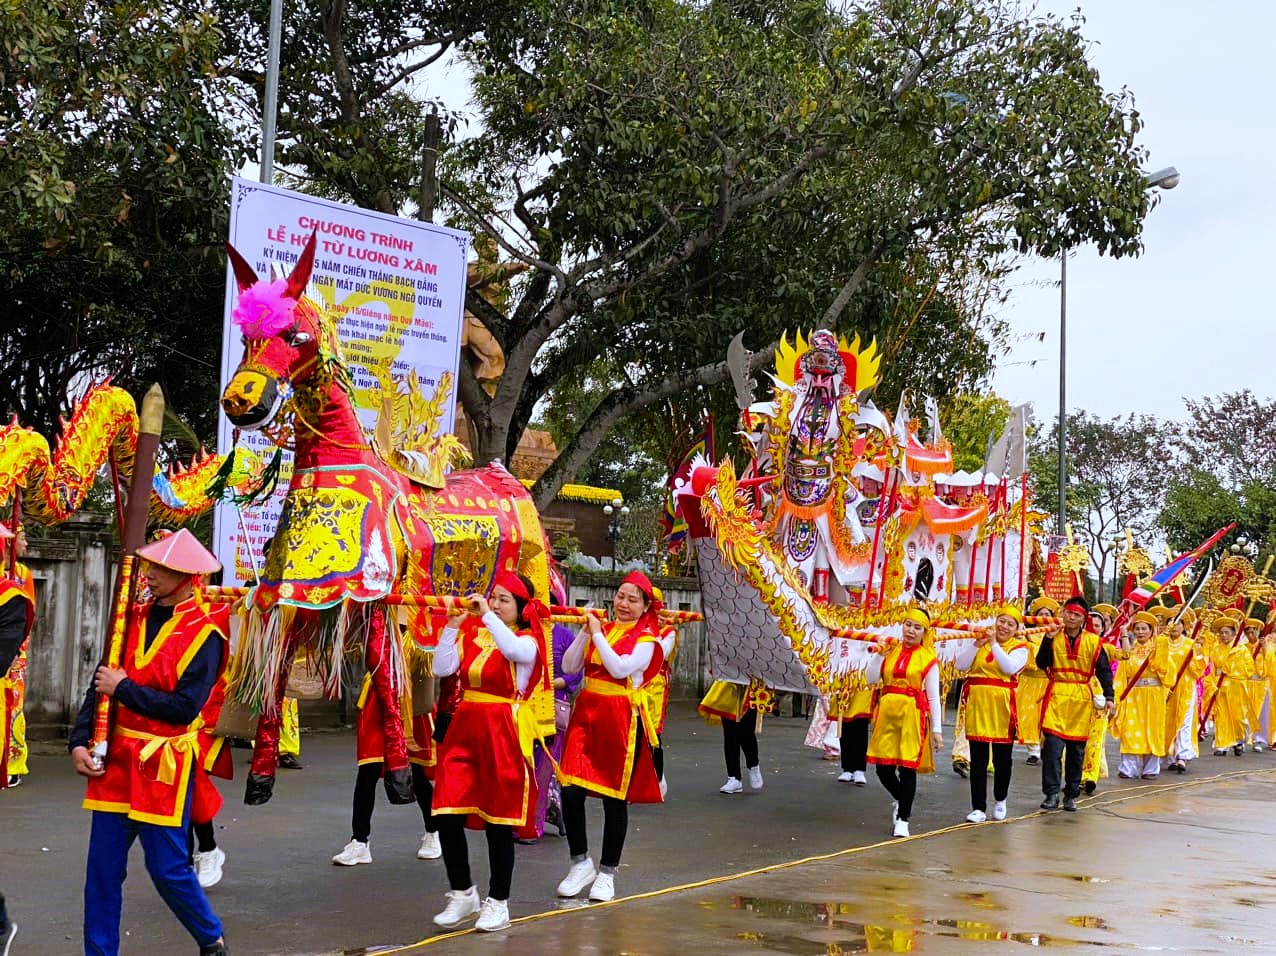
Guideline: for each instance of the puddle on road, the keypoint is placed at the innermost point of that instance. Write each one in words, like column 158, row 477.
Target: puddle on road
column 1088, row 922
column 887, row 937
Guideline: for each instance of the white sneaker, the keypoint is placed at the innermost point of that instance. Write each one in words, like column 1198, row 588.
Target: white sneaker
column 604, row 888
column 461, row 905
column 733, row 785
column 578, row 877
column 901, row 828
column 431, row 849
column 999, row 810
column 493, row 915
column 755, row 778
column 859, row 779
column 208, row 867
column 664, row 788
column 845, row 777
column 353, row 854
column 1258, row 749
column 976, row 816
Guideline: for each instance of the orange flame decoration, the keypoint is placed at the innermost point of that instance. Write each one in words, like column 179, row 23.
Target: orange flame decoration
column 103, row 425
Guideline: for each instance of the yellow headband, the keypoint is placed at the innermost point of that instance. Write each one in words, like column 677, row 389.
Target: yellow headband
column 1010, row 610
column 918, row 616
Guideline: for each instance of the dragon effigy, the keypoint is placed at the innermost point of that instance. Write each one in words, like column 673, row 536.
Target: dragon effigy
column 843, row 517
column 51, row 485
column 369, row 522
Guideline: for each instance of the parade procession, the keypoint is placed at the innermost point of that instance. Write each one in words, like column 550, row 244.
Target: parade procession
column 609, row 456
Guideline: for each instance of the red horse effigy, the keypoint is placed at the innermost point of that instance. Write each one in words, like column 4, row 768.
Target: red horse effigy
column 367, row 520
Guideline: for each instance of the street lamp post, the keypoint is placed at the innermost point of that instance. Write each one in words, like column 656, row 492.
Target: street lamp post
column 1166, row 178
column 270, row 108
column 617, row 511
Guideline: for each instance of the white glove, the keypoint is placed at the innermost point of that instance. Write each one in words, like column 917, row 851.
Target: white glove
column 1100, row 702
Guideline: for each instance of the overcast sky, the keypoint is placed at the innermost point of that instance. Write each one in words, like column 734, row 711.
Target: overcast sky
column 1192, row 315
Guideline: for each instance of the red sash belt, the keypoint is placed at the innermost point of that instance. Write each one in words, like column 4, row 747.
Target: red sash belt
column 990, row 682
column 919, row 700
column 1009, row 684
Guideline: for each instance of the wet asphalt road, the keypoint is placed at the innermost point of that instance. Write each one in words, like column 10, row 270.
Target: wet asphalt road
column 1183, row 863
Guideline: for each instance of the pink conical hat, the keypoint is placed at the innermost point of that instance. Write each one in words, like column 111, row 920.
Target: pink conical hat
column 180, row 552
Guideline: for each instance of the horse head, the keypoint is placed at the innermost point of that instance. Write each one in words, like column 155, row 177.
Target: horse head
column 282, row 332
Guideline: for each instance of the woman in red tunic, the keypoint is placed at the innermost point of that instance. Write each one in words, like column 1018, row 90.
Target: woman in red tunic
column 611, row 733
column 484, row 766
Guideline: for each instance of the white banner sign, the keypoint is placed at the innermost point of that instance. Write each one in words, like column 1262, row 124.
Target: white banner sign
column 397, row 287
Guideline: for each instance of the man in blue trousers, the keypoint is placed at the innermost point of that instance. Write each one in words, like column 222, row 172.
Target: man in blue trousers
column 173, row 653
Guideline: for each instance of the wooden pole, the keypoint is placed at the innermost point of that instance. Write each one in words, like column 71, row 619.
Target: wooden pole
column 136, row 511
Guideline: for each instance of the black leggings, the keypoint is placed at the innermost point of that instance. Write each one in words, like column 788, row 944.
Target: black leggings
column 202, row 837
column 900, row 783
column 456, row 854
column 615, row 817
column 854, row 739
column 658, row 758
column 738, row 735
column 365, row 798
column 1002, row 761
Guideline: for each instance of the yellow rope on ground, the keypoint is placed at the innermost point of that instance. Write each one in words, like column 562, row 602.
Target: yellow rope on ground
column 1124, row 794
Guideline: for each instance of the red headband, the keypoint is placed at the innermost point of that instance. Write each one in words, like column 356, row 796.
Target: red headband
column 641, row 582
column 512, row 583
column 650, row 618
column 534, row 612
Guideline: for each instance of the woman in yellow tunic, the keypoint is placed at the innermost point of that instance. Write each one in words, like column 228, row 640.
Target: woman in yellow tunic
column 908, row 721
column 992, row 664
column 1186, row 665
column 1032, row 688
column 1140, row 688
column 1233, row 665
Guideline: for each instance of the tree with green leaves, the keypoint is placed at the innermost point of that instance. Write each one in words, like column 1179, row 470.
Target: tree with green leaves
column 1226, row 471
column 673, row 173
column 972, row 422
column 113, row 190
